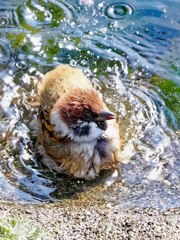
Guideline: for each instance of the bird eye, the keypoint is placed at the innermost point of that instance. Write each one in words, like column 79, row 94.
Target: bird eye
column 87, row 117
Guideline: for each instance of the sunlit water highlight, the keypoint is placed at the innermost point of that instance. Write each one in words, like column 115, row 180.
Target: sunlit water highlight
column 130, row 51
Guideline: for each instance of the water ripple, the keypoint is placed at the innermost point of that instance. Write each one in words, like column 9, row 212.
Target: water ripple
column 21, row 65
column 118, row 10
column 4, row 21
column 34, row 16
column 111, row 42
column 7, row 17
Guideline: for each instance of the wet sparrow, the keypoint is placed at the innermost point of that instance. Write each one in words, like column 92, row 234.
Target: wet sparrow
column 77, row 134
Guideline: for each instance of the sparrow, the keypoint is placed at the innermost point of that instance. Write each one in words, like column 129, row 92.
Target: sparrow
column 77, row 134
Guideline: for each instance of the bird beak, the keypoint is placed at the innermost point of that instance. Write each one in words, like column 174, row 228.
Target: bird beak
column 105, row 116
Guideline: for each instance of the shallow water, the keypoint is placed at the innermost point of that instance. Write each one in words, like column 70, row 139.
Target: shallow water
column 130, row 50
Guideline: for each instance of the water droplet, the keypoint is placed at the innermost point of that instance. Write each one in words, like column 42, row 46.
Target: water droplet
column 101, row 5
column 21, row 65
column 118, row 10
column 88, row 3
column 73, row 24
column 73, row 63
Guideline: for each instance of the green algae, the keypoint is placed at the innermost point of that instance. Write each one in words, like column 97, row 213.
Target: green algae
column 20, row 229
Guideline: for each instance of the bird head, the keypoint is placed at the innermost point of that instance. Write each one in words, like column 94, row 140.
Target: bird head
column 80, row 115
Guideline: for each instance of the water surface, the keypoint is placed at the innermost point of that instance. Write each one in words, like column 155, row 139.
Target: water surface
column 130, row 50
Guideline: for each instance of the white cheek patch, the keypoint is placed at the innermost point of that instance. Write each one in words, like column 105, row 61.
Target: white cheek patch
column 59, row 125
column 94, row 133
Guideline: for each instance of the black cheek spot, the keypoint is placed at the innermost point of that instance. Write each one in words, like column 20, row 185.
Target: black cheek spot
column 101, row 147
column 81, row 131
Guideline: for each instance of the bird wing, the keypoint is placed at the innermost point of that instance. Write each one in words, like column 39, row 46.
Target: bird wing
column 48, row 128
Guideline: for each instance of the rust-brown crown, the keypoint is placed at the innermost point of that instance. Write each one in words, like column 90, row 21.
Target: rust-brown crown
column 78, row 103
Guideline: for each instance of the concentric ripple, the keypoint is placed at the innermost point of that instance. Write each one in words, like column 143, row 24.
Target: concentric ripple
column 4, row 21
column 118, row 10
column 21, row 65
column 7, row 17
column 34, row 16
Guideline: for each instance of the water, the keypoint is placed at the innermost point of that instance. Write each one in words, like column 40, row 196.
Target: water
column 130, row 50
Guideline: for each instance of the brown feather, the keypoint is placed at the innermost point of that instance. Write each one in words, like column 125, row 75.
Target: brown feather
column 59, row 81
column 48, row 128
column 77, row 103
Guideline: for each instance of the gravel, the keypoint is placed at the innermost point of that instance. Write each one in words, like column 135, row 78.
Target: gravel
column 83, row 219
